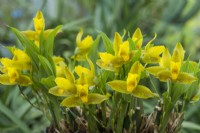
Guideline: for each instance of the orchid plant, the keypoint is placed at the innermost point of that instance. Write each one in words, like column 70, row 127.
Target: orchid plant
column 107, row 94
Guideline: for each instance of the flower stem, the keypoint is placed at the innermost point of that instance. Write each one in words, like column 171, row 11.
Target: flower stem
column 168, row 107
column 121, row 116
column 165, row 119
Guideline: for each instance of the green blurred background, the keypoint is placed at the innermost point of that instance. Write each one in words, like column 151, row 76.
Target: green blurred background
column 173, row 21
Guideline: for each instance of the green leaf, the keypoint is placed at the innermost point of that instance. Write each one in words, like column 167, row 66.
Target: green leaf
column 132, row 44
column 189, row 66
column 191, row 125
column 47, row 47
column 49, row 82
column 96, row 98
column 143, row 92
column 135, row 55
column 52, row 64
column 71, row 101
column 178, row 90
column 119, row 86
column 14, row 118
column 107, row 43
column 193, row 93
column 93, row 53
column 75, row 23
column 30, row 48
column 46, row 65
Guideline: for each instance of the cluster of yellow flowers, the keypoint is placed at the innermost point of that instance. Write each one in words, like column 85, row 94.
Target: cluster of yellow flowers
column 18, row 70
column 14, row 70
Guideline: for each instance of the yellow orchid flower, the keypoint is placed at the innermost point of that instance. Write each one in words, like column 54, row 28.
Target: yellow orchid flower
column 60, row 66
column 170, row 67
column 131, row 82
column 130, row 86
column 83, row 46
column 39, row 23
column 166, row 59
column 122, row 55
column 20, row 60
column 83, row 92
column 124, row 51
column 77, row 91
column 19, row 55
column 85, row 71
column 121, row 49
column 39, row 26
column 12, row 68
column 109, row 62
column 65, row 87
column 12, row 76
column 151, row 54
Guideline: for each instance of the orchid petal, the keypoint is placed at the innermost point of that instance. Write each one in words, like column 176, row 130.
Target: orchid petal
column 71, row 101
column 96, row 98
column 39, row 23
column 117, row 42
column 119, row 86
column 137, row 38
column 186, row 78
column 143, row 92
